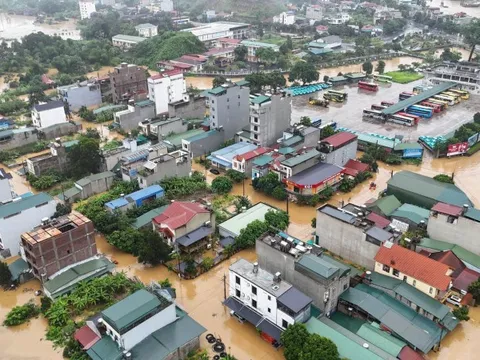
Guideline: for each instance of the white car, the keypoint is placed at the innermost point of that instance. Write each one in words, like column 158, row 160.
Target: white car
column 455, row 300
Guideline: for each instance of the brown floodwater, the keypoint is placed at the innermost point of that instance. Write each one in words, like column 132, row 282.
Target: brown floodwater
column 453, row 6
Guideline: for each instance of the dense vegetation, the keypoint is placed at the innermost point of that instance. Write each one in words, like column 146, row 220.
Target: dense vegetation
column 270, row 185
column 461, row 134
column 444, row 178
column 179, row 187
column 59, row 9
column 5, row 275
column 222, row 185
column 21, row 314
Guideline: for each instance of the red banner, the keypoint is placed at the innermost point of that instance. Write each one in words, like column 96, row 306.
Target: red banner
column 457, row 149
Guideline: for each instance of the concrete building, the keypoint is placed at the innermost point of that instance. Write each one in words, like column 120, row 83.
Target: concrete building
column 80, row 94
column 348, row 233
column 297, row 163
column 314, row 12
column 339, row 148
column 299, row 137
column 126, row 41
column 161, row 127
column 87, row 8
column 203, row 143
column 285, row 18
column 319, row 276
column 243, row 163
column 165, row 88
column 21, row 215
column 190, row 107
column 265, row 300
column 338, row 19
column 270, row 116
column 133, row 162
column 6, row 190
column 465, row 74
column 187, row 226
column 427, row 275
column 57, row 244
column 47, row 114
column 135, row 199
column 221, row 29
column 410, row 217
column 253, row 46
column 135, row 113
column 229, row 108
column 174, row 164
column 456, row 225
column 128, row 81
column 147, row 30
column 88, row 186
column 55, row 161
column 224, row 158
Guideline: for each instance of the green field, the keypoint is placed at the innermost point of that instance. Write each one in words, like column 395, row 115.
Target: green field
column 404, row 77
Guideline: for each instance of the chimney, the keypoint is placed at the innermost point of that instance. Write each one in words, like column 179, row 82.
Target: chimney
column 277, row 278
column 255, row 267
column 465, row 209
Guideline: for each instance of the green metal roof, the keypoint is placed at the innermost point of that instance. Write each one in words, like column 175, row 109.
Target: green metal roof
column 105, row 349
column 407, row 146
column 146, row 218
column 473, row 214
column 130, row 38
column 286, row 150
column 381, row 339
column 436, row 244
column 17, row 268
column 355, row 75
column 347, row 347
column 201, row 135
column 291, row 141
column 94, row 177
column 297, row 160
column 23, row 204
column 218, row 90
column 262, row 160
column 67, row 280
column 242, row 83
column 238, row 222
column 260, row 99
column 70, row 143
column 387, row 204
column 411, row 212
column 131, row 309
column 462, row 253
column 424, row 191
column 320, row 266
column 337, row 78
column 176, row 139
column 401, row 105
column 69, row 193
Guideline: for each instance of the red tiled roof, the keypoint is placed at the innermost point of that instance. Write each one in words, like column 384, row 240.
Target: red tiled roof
column 322, row 28
column 417, row 266
column 252, row 154
column 447, row 209
column 86, row 337
column 466, row 277
column 179, row 214
column 339, row 139
column 354, row 167
column 46, row 80
column 450, row 259
column 379, row 221
column 407, row 353
column 166, row 73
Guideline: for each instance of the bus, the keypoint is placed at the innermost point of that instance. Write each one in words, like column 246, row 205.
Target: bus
column 336, row 96
column 421, row 111
column 378, row 107
column 463, row 93
column 456, row 97
column 447, row 99
column 405, row 95
column 383, row 78
column 365, row 85
column 387, row 103
column 402, row 120
column 416, row 119
column 372, row 114
column 442, row 103
column 436, row 107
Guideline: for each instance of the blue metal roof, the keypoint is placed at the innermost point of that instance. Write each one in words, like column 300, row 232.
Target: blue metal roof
column 117, row 203
column 143, row 193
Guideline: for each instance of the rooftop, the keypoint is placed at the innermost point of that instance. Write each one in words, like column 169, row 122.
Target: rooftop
column 195, row 236
column 179, row 214
column 128, row 38
column 380, row 140
column 215, row 27
column 291, row 141
column 299, row 159
column 387, row 204
column 201, row 135
column 413, row 213
column 229, row 152
column 260, row 99
column 379, row 234
column 252, row 154
column 463, row 254
column 95, row 177
column 415, row 265
column 294, row 299
column 56, row 227
column 465, row 278
column 240, row 221
column 145, row 26
column 354, row 167
column 135, row 196
column 378, row 220
column 48, row 106
column 262, row 160
column 17, row 206
column 146, row 218
column 258, row 44
column 407, row 146
column 315, row 175
column 321, row 267
column 448, row 209
column 263, row 279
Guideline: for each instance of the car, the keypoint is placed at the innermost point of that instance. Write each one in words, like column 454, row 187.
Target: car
column 215, row 171
column 454, row 300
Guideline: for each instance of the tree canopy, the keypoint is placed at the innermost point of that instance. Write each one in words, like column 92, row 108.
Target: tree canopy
column 367, row 67
column 304, row 72
column 84, row 158
column 259, row 80
column 472, row 35
column 105, row 26
column 222, row 185
column 5, row 275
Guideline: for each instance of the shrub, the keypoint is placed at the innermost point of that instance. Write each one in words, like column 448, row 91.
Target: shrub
column 235, row 176
column 443, row 178
column 222, row 185
column 21, row 314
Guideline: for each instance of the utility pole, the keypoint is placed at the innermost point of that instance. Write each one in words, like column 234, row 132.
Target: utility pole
column 224, row 287
column 287, row 203
column 243, row 186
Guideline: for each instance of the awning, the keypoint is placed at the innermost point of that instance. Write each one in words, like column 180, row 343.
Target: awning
column 271, row 329
column 251, row 316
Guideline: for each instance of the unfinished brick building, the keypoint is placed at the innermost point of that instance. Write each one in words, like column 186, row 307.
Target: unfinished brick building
column 58, row 244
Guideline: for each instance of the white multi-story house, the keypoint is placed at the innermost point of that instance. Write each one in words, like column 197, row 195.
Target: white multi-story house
column 165, row 88
column 147, row 30
column 87, row 8
column 265, row 300
column 253, row 46
column 338, row 19
column 51, row 113
column 285, row 18
column 166, row 5
column 5, row 186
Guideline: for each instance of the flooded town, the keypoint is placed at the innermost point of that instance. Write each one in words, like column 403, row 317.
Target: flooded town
column 196, row 180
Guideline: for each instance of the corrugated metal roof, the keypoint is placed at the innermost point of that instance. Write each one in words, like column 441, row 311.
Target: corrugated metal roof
column 473, row 214
column 260, row 99
column 105, row 349
column 463, row 254
column 407, row 146
column 411, row 212
column 337, row 213
column 318, row 266
column 291, row 141
column 448, row 209
column 148, row 191
column 340, row 139
column 48, row 106
column 315, row 175
column 194, row 236
column 381, row 339
column 238, row 222
column 24, row 204
column 296, row 160
column 147, row 217
column 294, row 299
column 262, row 160
column 17, row 268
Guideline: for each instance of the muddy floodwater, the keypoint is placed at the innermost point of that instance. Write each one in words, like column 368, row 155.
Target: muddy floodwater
column 451, row 7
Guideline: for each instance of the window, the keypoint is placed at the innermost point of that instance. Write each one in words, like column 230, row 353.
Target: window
column 255, row 136
column 405, row 278
column 237, row 293
column 396, row 273
column 414, row 283
column 213, row 109
column 386, row 268
column 451, row 219
column 239, row 103
column 237, row 280
column 239, row 96
column 269, row 310
column 254, row 290
column 345, row 287
column 430, row 291
column 255, row 128
column 284, row 324
column 269, row 298
column 254, row 303
column 228, row 100
column 213, row 101
column 228, row 107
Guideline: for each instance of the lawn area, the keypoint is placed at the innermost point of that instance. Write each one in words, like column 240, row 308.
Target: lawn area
column 404, row 77
column 273, row 39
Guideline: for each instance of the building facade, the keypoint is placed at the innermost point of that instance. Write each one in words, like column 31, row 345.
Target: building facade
column 465, row 74
column 126, row 41
column 221, row 29
column 55, row 161
column 174, row 164
column 135, row 199
column 6, row 190
column 165, row 88
column 253, row 46
column 58, row 244
column 314, row 12
column 80, row 94
column 339, row 148
column 128, row 81
column 51, row 113
column 284, row 18
column 87, row 8
column 131, row 117
column 147, row 30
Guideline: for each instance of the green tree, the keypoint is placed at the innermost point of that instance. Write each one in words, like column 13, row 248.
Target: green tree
column 127, row 240
column 235, row 176
column 461, row 313
column 5, row 275
column 367, row 66
column 289, row 43
column 21, row 314
column 304, row 72
column 278, row 219
column 266, row 55
column 86, row 114
column 326, row 132
column 306, row 121
column 474, row 289
column 219, row 80
column 84, row 158
column 250, row 234
column 62, row 209
column 449, row 55
column 444, row 178
column 380, row 67
column 476, row 118
column 207, row 263
column 275, row 79
column 241, row 53
column 313, row 223
column 222, row 185
column 152, row 248
column 472, row 36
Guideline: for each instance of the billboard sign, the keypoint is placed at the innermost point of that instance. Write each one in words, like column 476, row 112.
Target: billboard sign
column 472, row 140
column 412, row 153
column 457, row 149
